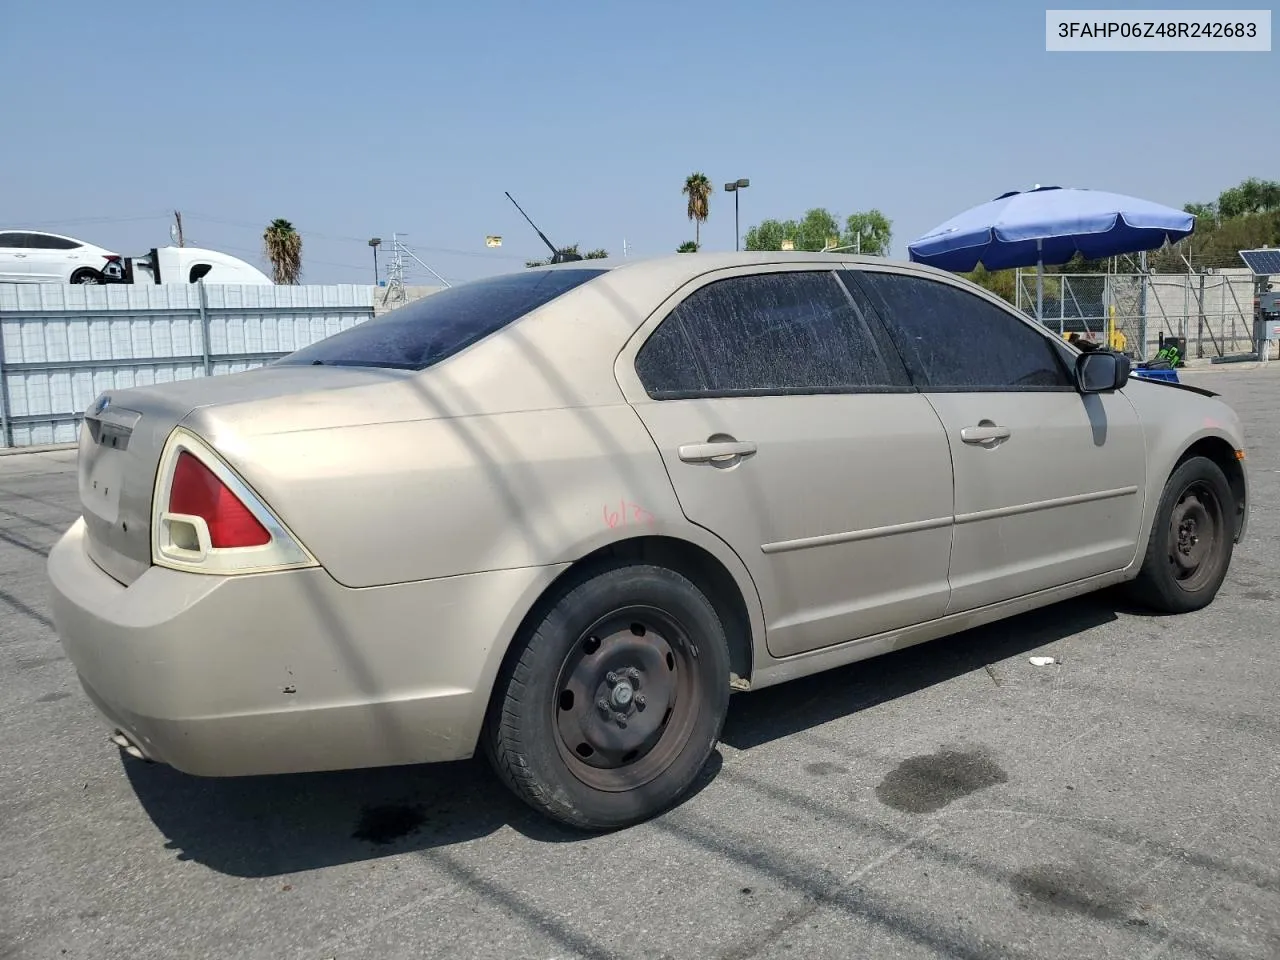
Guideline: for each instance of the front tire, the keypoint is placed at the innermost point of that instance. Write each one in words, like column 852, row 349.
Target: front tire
column 611, row 706
column 1192, row 540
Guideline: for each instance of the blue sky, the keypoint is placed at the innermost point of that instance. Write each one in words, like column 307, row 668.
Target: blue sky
column 355, row 120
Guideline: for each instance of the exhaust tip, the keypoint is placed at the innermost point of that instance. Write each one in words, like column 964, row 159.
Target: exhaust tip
column 128, row 746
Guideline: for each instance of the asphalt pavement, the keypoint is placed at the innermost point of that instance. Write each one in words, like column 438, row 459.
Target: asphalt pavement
column 951, row 800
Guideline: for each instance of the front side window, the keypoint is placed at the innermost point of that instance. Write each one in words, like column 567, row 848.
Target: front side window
column 954, row 340
column 439, row 325
column 771, row 333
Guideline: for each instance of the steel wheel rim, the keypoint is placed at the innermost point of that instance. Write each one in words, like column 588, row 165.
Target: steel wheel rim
column 1195, row 533
column 625, row 700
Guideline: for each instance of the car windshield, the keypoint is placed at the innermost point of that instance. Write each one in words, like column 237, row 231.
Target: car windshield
column 439, row 325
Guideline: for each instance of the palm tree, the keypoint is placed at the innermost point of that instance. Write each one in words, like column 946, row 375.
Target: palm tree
column 698, row 189
column 283, row 247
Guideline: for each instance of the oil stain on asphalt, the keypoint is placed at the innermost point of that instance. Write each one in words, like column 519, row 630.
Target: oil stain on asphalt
column 928, row 783
column 823, row 768
column 389, row 823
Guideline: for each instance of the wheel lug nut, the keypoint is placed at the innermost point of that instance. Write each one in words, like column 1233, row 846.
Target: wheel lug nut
column 621, row 718
column 633, row 674
column 611, row 678
column 603, row 706
column 639, row 701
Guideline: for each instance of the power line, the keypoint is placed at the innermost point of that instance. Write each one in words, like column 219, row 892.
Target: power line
column 243, row 224
column 107, row 220
column 453, row 251
column 324, row 263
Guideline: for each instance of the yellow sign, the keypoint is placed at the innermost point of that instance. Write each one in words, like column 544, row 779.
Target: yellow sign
column 493, row 241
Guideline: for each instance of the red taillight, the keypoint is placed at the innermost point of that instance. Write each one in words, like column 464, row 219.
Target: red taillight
column 197, row 492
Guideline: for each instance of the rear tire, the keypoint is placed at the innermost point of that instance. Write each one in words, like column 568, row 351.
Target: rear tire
column 86, row 275
column 612, row 703
column 1192, row 540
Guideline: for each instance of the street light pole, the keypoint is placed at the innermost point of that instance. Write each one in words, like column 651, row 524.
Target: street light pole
column 374, row 243
column 733, row 188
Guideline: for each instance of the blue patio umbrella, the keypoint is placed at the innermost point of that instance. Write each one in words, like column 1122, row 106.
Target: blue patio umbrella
column 1049, row 225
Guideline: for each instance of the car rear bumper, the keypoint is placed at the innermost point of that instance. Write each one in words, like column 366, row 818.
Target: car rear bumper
column 286, row 672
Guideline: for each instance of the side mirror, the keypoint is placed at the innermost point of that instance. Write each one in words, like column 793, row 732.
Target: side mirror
column 1101, row 371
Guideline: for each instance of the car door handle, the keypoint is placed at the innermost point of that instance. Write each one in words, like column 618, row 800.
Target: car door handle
column 985, row 433
column 715, row 450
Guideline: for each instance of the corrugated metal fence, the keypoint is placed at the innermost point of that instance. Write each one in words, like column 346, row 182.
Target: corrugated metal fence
column 63, row 345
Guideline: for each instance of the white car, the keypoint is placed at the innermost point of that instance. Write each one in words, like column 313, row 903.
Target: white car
column 30, row 256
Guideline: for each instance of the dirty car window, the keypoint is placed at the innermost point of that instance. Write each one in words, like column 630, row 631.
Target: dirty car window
column 439, row 325
column 787, row 332
column 953, row 340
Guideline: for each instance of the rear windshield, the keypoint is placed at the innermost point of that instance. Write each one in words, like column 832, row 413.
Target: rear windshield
column 429, row 330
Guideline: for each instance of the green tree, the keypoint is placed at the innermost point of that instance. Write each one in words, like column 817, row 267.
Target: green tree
column 1078, row 264
column 282, row 245
column 597, row 254
column 812, row 232
column 819, row 227
column 697, row 190
column 689, row 246
column 1251, row 196
column 1202, row 212
column 769, row 234
column 1220, row 245
column 876, row 233
column 1000, row 282
column 816, row 229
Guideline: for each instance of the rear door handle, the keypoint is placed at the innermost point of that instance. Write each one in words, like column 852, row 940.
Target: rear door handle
column 985, row 433
column 715, row 450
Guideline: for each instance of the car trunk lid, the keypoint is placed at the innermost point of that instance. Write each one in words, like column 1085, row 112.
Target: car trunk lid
column 125, row 431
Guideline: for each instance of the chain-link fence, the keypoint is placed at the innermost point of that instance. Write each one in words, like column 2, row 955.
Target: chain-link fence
column 1211, row 311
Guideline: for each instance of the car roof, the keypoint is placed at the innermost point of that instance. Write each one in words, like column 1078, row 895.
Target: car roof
column 676, row 269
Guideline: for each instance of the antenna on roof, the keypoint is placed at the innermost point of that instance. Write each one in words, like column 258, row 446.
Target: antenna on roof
column 557, row 256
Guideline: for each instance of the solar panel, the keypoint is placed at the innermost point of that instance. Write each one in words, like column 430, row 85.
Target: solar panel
column 1262, row 262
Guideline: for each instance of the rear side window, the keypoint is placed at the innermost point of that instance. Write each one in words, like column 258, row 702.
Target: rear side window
column 434, row 328
column 772, row 333
column 667, row 364
column 13, row 241
column 955, row 341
